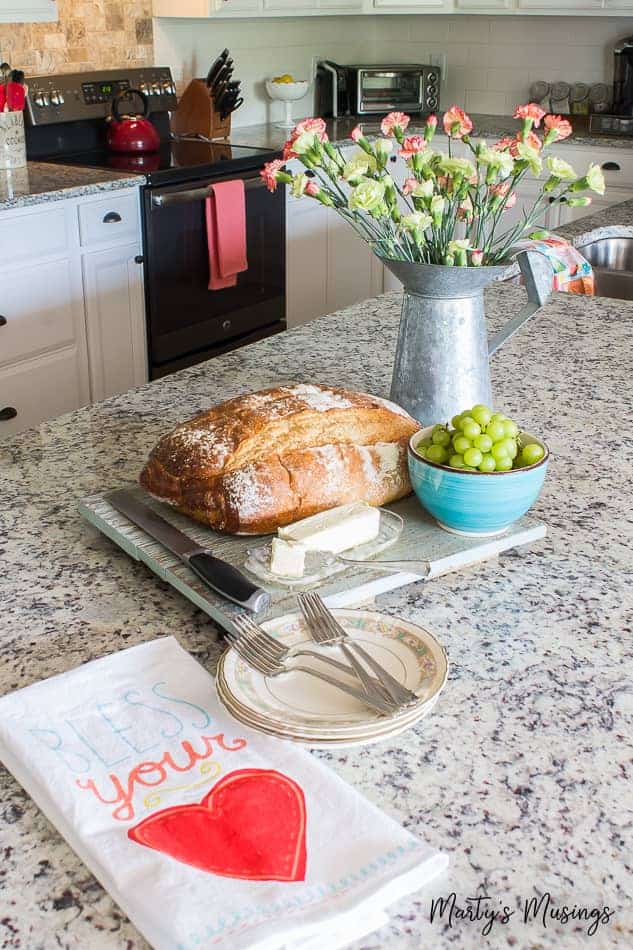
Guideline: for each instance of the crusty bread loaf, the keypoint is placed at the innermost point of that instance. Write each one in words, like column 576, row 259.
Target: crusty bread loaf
column 266, row 459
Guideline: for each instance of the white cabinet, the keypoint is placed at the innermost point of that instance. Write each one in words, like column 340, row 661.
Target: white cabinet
column 72, row 323
column 484, row 6
column 546, row 6
column 115, row 320
column 306, row 260
column 618, row 5
column 435, row 5
column 28, row 11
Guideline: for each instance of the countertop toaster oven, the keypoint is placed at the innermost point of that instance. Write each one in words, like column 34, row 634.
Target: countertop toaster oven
column 376, row 89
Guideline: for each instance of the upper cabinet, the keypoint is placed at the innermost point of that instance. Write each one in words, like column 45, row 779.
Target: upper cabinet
column 275, row 8
column 28, row 11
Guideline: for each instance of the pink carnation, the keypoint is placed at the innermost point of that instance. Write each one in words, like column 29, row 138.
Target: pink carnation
column 556, row 123
column 356, row 133
column 530, row 111
column 504, row 143
column 456, row 123
column 269, row 173
column 500, row 190
column 312, row 189
column 392, row 121
column 530, row 139
column 287, row 152
column 477, row 256
column 409, row 185
column 412, row 145
column 432, row 121
column 315, row 126
column 511, row 201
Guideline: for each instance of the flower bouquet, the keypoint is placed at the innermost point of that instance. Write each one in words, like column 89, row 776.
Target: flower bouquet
column 449, row 209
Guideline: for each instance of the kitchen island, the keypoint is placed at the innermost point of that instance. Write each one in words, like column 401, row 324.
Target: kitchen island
column 522, row 771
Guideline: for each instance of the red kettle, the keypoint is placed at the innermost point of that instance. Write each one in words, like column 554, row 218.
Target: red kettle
column 131, row 133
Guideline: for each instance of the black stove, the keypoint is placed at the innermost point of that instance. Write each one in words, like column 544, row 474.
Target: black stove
column 186, row 322
column 179, row 159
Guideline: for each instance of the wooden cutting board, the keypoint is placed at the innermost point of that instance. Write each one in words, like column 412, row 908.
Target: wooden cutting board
column 421, row 539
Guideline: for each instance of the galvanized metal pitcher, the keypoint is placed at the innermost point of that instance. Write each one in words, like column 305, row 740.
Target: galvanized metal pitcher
column 442, row 354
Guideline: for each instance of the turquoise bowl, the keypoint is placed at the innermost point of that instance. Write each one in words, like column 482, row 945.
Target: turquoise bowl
column 477, row 504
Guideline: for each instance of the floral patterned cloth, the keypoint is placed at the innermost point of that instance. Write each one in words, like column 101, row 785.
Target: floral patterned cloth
column 572, row 273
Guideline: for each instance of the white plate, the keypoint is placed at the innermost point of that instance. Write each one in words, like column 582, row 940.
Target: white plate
column 299, row 706
column 322, row 564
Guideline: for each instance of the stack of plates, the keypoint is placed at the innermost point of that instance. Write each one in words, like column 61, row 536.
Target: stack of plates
column 301, row 708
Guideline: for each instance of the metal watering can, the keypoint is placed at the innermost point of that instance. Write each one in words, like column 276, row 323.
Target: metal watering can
column 443, row 350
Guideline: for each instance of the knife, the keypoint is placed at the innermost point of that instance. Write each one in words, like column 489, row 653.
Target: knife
column 230, row 104
column 216, row 66
column 222, row 76
column 221, row 576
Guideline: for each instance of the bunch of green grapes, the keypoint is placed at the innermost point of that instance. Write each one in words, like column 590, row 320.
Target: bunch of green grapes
column 480, row 440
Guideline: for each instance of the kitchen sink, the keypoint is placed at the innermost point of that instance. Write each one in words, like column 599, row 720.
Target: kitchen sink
column 612, row 262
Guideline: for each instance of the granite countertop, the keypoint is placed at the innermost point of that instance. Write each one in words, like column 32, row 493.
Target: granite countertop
column 492, row 127
column 44, row 181
column 522, row 771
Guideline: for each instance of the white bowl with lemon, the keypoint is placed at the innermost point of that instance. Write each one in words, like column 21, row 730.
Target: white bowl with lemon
column 287, row 89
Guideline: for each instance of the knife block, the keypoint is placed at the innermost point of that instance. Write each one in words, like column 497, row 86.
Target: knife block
column 196, row 113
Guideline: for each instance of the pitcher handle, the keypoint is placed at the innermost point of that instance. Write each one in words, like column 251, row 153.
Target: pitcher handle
column 538, row 275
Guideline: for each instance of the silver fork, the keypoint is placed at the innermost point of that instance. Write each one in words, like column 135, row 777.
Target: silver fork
column 279, row 653
column 325, row 629
column 250, row 651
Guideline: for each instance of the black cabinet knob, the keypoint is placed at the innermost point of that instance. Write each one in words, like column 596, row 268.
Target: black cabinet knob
column 3, row 321
column 226, row 325
column 139, row 259
column 611, row 167
column 112, row 217
column 393, row 158
column 8, row 413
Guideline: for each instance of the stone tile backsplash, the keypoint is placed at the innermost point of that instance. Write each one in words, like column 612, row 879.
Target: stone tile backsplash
column 89, row 34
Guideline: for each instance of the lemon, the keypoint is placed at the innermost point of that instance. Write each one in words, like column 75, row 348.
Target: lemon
column 284, row 79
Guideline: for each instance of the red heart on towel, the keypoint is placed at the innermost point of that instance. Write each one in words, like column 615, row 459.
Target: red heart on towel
column 252, row 825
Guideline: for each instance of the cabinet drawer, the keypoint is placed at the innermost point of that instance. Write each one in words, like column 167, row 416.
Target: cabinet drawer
column 110, row 219
column 36, row 234
column 616, row 163
column 41, row 389
column 38, row 307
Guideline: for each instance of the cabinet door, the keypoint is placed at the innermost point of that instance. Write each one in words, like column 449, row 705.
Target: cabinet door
column 28, row 11
column 33, row 391
column 612, row 197
column 485, row 6
column 306, row 260
column 412, row 4
column 115, row 320
column 546, row 6
column 618, row 4
column 276, row 6
column 354, row 273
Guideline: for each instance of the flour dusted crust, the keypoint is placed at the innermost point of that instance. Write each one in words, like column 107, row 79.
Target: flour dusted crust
column 266, row 459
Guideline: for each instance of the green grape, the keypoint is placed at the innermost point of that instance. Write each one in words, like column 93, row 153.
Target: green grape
column 441, row 436
column 424, row 443
column 498, row 417
column 504, row 464
column 510, row 429
column 532, row 453
column 456, row 421
column 437, row 454
column 511, row 447
column 482, row 442
column 495, row 430
column 461, row 444
column 421, row 450
column 470, row 428
column 499, row 451
column 456, row 461
column 481, row 414
column 487, row 464
column 472, row 458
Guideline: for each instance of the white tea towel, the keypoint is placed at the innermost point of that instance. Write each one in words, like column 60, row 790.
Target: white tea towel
column 206, row 834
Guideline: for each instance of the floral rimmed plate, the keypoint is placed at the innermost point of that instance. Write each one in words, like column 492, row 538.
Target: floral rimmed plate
column 322, row 564
column 299, row 707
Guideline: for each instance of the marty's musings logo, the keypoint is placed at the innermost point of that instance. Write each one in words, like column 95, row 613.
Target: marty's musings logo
column 542, row 909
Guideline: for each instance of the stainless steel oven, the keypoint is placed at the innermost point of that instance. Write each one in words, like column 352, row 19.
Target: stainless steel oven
column 187, row 322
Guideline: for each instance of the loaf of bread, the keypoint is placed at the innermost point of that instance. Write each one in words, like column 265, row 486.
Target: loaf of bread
column 256, row 462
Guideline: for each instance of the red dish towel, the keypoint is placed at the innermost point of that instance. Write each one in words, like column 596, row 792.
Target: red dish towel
column 226, row 233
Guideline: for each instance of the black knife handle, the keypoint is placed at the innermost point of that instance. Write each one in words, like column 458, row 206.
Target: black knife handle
column 229, row 581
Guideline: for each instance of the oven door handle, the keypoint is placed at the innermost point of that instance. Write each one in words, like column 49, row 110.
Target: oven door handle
column 169, row 198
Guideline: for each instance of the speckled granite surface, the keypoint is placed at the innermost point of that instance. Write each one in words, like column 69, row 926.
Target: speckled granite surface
column 43, row 181
column 268, row 135
column 521, row 773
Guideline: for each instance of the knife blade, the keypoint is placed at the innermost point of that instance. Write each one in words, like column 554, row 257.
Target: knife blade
column 230, row 104
column 222, row 77
column 219, row 575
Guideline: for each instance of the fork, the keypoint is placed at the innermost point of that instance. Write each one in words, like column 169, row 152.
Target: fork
column 251, row 652
column 280, row 654
column 325, row 629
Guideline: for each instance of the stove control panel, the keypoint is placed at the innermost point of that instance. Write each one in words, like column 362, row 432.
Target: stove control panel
column 71, row 97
